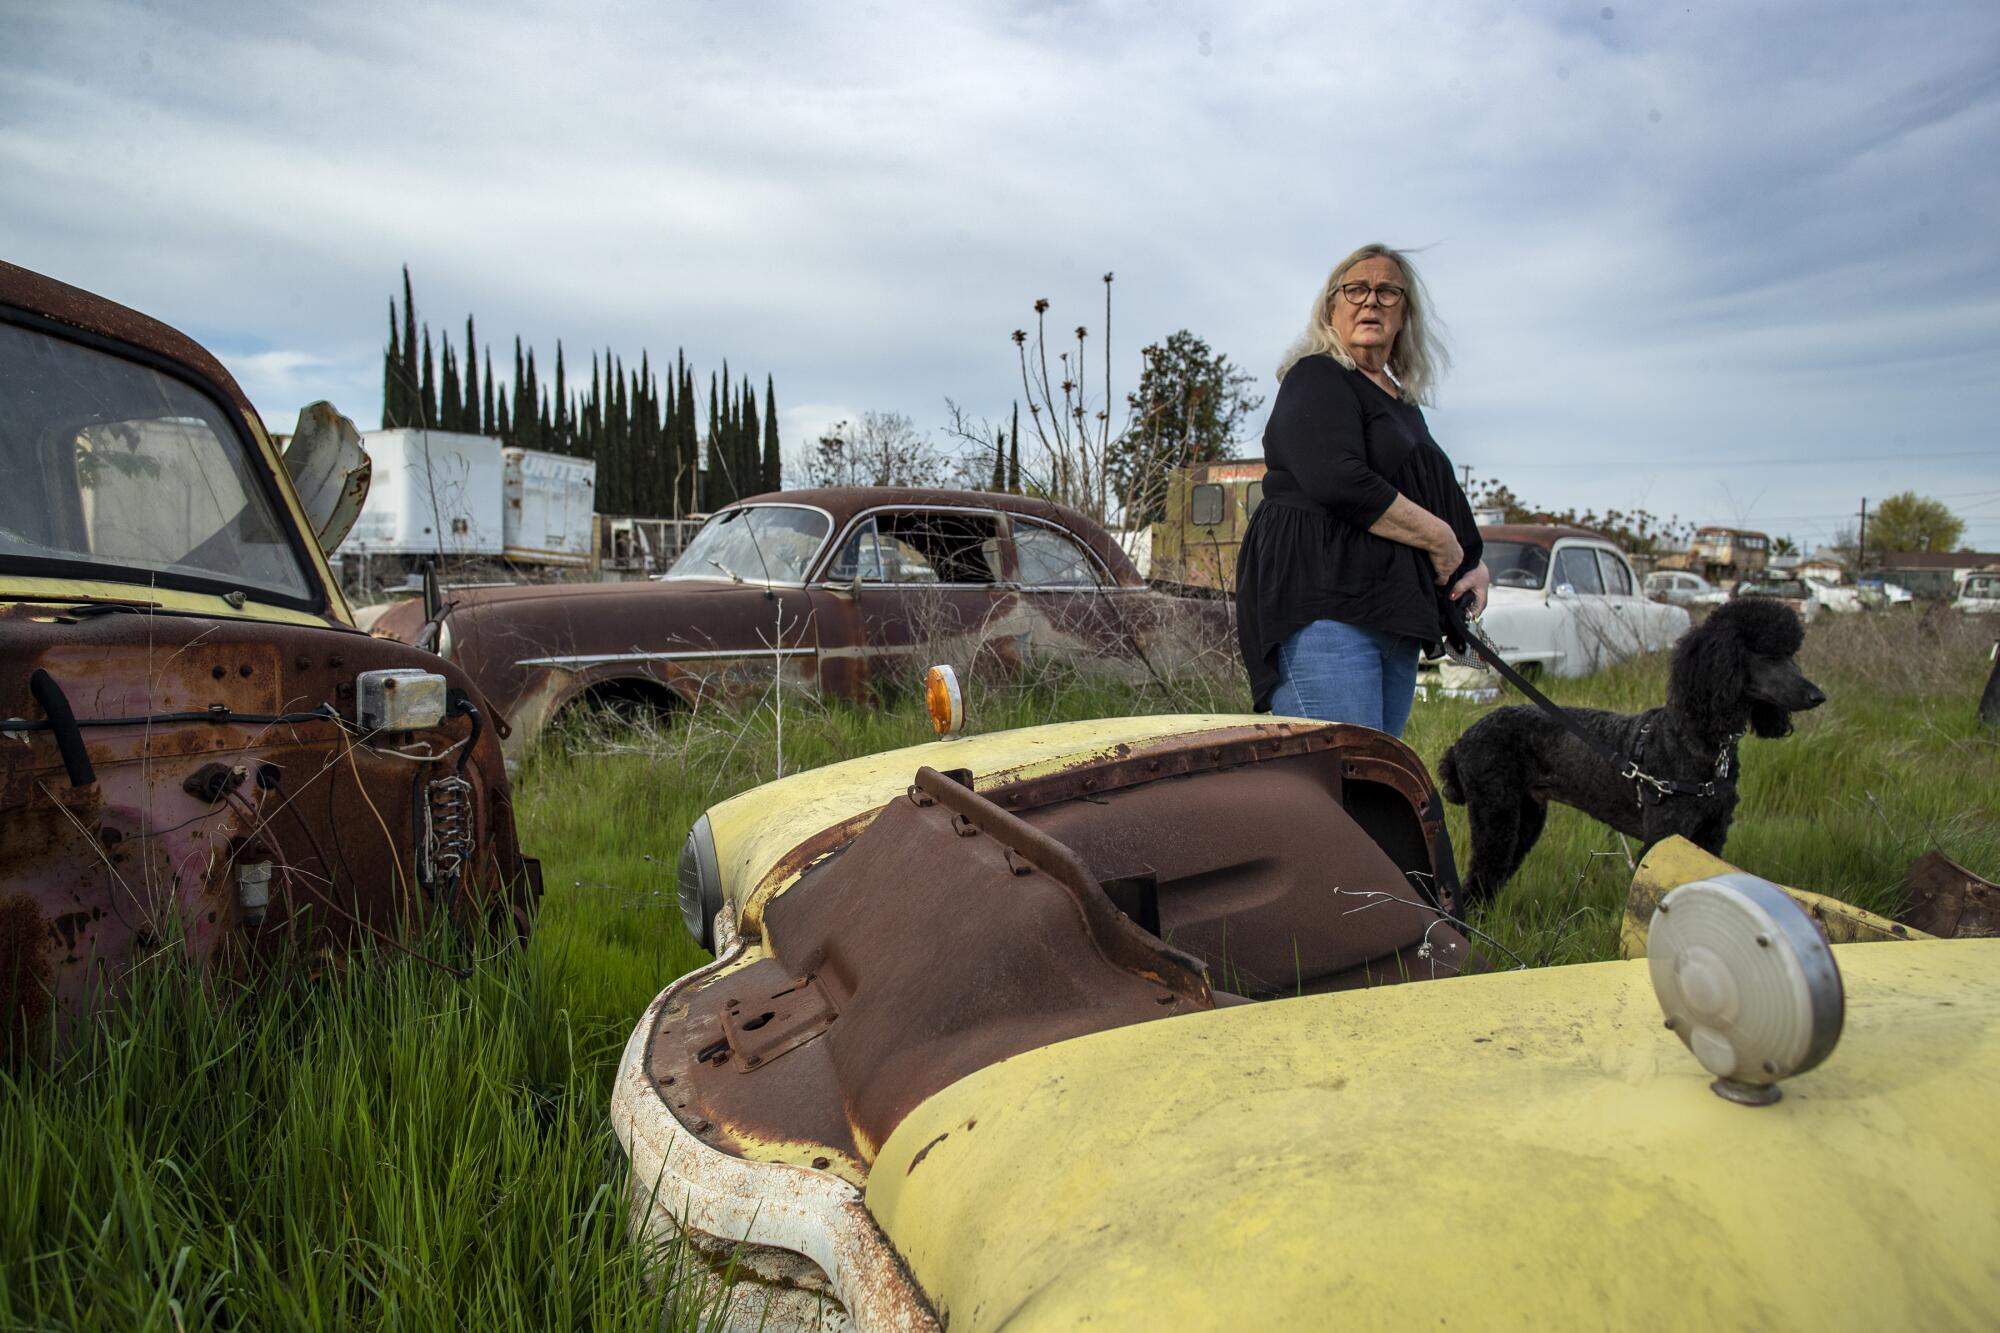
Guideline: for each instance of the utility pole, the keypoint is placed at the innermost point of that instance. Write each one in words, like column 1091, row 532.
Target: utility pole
column 1861, row 539
column 1465, row 479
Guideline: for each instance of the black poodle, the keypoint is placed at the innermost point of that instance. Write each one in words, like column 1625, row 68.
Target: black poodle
column 1735, row 672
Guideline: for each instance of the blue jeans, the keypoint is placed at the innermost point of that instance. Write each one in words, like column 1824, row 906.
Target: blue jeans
column 1335, row 672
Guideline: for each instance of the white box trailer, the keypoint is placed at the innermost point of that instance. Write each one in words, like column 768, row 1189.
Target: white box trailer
column 434, row 492
column 548, row 503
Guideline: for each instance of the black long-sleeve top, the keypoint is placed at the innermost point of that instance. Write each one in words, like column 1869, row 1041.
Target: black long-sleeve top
column 1338, row 450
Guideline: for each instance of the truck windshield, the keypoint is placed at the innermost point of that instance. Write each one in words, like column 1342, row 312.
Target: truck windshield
column 758, row 544
column 116, row 471
column 1516, row 564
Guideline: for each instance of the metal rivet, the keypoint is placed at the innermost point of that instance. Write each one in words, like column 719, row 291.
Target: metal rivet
column 1763, row 941
column 821, row 1163
column 1671, row 1024
column 1771, row 1066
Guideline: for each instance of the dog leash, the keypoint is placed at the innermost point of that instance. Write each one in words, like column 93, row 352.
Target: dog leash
column 1651, row 790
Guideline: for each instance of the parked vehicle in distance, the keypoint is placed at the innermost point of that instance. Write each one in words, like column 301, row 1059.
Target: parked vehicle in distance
column 199, row 744
column 1800, row 594
column 984, row 1045
column 1565, row 601
column 1979, row 593
column 835, row 590
column 1208, row 508
column 1680, row 588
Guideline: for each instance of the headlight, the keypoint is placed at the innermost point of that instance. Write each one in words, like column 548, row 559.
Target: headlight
column 699, row 884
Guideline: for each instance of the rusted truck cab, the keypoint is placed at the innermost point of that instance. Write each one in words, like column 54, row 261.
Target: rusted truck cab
column 198, row 749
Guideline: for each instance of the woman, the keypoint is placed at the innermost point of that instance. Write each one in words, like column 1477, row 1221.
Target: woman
column 1363, row 523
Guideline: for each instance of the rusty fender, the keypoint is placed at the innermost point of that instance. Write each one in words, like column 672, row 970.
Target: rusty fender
column 680, row 1182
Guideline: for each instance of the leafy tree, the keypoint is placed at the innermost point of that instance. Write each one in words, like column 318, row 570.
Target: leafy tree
column 1912, row 522
column 1189, row 408
column 1784, row 546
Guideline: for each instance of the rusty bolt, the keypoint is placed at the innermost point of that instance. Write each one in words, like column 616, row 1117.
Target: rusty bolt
column 1672, row 1023
column 752, row 1061
column 1771, row 1066
column 244, row 671
column 216, row 671
column 731, row 1003
column 702, row 1127
column 821, row 1163
column 302, row 662
column 336, row 661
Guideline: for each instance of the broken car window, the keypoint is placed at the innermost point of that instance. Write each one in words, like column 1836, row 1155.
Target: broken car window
column 755, row 544
column 939, row 546
column 137, row 475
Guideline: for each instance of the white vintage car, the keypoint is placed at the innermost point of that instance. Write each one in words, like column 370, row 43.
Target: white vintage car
column 1979, row 592
column 1565, row 602
column 1681, row 588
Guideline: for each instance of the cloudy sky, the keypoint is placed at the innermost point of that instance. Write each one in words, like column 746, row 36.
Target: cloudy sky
column 1736, row 262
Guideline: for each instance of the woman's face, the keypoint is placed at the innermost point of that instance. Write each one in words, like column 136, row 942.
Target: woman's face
column 1369, row 325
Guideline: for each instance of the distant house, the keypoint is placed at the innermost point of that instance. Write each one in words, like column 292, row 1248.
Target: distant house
column 1824, row 566
column 1933, row 573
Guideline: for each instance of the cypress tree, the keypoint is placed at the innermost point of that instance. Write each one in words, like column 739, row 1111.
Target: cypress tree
column 491, row 422
column 520, row 417
column 999, row 481
column 503, row 427
column 713, row 493
column 565, row 440
column 470, row 420
column 392, row 365
column 753, row 463
column 774, row 467
column 1014, row 452
column 528, row 417
column 428, row 401
column 448, row 400
column 407, row 401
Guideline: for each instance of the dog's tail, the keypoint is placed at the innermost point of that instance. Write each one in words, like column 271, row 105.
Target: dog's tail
column 1448, row 777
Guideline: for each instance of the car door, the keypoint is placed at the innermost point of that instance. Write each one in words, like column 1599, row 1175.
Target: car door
column 1630, row 620
column 909, row 582
column 1585, row 623
column 1071, row 601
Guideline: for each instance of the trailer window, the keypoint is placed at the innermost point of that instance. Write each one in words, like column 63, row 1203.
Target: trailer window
column 1205, row 506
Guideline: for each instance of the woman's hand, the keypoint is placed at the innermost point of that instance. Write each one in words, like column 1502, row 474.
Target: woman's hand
column 1477, row 581
column 1411, row 524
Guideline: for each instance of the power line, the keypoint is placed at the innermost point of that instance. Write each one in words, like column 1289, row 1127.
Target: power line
column 1738, row 460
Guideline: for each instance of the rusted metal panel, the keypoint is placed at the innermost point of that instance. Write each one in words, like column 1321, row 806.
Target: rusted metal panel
column 185, row 796
column 957, row 927
column 1943, row 898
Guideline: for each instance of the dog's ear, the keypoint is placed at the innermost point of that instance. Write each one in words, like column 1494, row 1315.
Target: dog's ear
column 1769, row 721
column 1710, row 669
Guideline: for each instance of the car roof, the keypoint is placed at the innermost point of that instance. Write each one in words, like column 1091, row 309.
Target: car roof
column 61, row 303
column 1544, row 535
column 845, row 502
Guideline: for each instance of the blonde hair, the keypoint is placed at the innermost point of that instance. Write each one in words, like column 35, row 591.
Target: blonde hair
column 1417, row 359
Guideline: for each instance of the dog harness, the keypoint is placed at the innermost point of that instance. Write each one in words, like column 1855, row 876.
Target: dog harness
column 1648, row 790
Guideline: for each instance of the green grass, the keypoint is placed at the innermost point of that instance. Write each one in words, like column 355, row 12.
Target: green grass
column 390, row 1148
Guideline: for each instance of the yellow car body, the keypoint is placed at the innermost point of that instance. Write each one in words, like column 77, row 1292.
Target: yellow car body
column 1528, row 1148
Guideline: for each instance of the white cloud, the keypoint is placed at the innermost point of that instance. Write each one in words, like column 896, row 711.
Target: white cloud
column 1672, row 234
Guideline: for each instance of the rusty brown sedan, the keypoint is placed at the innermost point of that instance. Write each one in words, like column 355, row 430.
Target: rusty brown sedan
column 197, row 746
column 834, row 590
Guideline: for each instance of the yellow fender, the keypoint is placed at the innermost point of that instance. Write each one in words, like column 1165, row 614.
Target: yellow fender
column 1675, row 861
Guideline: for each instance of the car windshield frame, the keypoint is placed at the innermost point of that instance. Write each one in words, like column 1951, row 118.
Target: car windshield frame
column 760, row 575
column 230, row 427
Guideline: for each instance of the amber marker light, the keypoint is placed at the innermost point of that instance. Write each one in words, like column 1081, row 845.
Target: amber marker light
column 944, row 700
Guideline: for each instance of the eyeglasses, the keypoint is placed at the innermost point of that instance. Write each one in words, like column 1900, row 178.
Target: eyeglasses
column 1386, row 295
